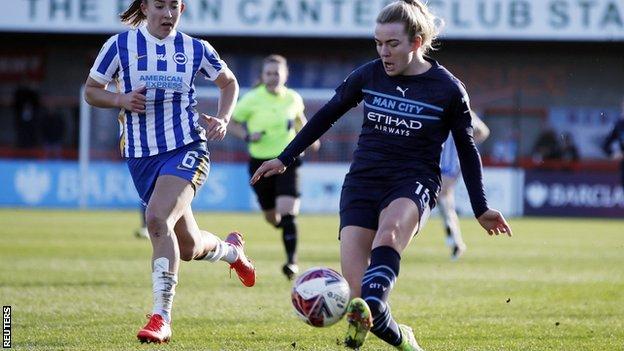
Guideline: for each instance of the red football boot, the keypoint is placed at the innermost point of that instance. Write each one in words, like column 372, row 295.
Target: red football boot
column 242, row 266
column 156, row 330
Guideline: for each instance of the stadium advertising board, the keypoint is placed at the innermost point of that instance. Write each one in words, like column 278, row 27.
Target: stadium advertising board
column 503, row 188
column 321, row 185
column 464, row 19
column 573, row 194
column 57, row 184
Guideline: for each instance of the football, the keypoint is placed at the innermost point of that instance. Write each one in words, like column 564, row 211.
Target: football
column 320, row 296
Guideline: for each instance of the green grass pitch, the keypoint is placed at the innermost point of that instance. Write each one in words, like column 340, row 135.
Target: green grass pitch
column 81, row 281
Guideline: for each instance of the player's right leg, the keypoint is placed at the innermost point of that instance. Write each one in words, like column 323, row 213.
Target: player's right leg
column 171, row 196
column 355, row 246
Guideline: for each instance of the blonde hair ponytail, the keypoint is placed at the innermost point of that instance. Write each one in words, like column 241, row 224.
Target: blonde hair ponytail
column 418, row 20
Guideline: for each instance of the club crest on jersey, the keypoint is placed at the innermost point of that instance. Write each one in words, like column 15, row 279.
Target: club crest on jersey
column 402, row 90
column 180, row 58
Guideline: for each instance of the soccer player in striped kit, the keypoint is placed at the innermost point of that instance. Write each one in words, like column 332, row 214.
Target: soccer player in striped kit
column 450, row 170
column 163, row 139
column 411, row 103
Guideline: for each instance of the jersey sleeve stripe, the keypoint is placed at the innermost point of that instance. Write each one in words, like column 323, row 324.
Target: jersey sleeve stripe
column 213, row 59
column 104, row 66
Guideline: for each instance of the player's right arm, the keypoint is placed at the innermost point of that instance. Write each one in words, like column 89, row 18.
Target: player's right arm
column 101, row 74
column 97, row 95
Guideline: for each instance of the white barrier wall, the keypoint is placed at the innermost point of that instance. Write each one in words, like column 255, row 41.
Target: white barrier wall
column 503, row 188
column 108, row 185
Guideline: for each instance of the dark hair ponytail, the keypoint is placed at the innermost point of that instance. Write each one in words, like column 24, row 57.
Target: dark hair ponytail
column 133, row 16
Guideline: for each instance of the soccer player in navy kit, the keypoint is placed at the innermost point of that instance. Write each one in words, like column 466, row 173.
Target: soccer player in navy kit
column 163, row 139
column 411, row 103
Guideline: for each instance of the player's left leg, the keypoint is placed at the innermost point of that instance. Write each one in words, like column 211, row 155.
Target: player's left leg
column 398, row 223
column 197, row 244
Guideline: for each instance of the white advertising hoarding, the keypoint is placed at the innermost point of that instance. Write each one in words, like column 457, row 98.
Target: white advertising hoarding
column 321, row 185
column 464, row 19
column 503, row 188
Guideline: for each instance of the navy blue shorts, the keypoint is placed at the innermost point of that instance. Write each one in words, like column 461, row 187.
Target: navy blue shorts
column 361, row 205
column 190, row 162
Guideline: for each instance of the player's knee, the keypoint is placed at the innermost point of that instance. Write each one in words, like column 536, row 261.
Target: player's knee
column 389, row 235
column 289, row 223
column 157, row 225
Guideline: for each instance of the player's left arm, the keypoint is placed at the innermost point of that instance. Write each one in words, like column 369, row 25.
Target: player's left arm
column 216, row 127
column 472, row 171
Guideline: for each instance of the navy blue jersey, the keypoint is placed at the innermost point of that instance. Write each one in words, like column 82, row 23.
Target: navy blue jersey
column 406, row 121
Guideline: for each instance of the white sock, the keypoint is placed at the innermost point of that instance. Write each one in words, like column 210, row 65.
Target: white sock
column 163, row 288
column 223, row 251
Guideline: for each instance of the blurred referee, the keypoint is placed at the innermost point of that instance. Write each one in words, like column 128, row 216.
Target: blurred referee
column 267, row 118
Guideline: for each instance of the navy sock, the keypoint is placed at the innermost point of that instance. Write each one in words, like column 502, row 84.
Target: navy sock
column 377, row 283
column 289, row 236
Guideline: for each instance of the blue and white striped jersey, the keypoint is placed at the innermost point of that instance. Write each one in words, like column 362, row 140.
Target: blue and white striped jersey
column 449, row 161
column 167, row 68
